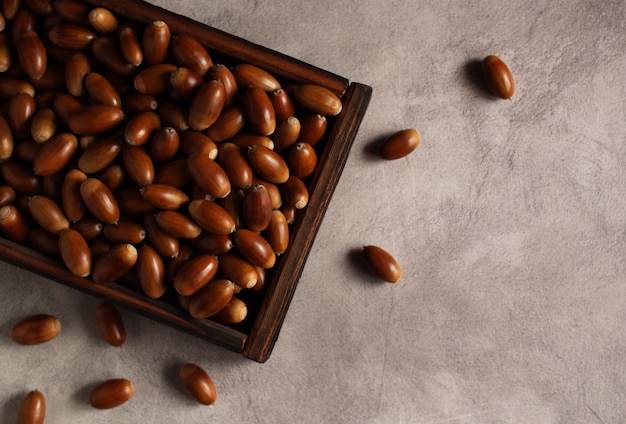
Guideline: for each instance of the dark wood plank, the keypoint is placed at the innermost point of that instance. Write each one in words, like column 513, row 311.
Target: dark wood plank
column 238, row 48
column 266, row 329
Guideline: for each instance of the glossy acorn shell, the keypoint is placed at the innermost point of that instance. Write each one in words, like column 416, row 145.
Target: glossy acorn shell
column 124, row 231
column 110, row 324
column 211, row 298
column 192, row 142
column 209, row 175
column 111, row 393
column 70, row 36
column 287, row 133
column 55, row 154
column 175, row 173
column 250, row 75
column 77, row 68
column 138, row 165
column 185, row 83
column 164, row 197
column 256, row 208
column 230, row 122
column 259, row 111
column 88, row 227
column 74, row 11
column 47, row 213
column 114, row 263
column 318, row 99
column 107, row 50
column 95, row 119
column 254, row 248
column 32, row 54
column 399, row 144
column 295, row 192
column 7, row 144
column 277, row 232
column 163, row 145
column 216, row 244
column 32, row 409
column 195, row 274
column 71, row 201
column 198, row 384
column 156, row 42
column 211, row 217
column 22, row 108
column 498, row 77
column 223, row 74
column 103, row 20
column 238, row 270
column 268, row 164
column 44, row 125
column 13, row 224
column 65, row 105
column 236, row 165
column 234, row 312
column 163, row 242
column 36, row 329
column 154, row 79
column 101, row 90
column 75, row 252
column 174, row 114
column 302, row 160
column 178, row 224
column 207, row 105
column 100, row 201
column 189, row 53
column 130, row 45
column 283, row 104
column 151, row 272
column 100, row 154
column 382, row 263
column 140, row 128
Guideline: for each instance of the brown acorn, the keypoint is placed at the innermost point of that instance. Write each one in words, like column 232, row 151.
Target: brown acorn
column 163, row 145
column 287, row 133
column 154, row 79
column 211, row 298
column 32, row 409
column 65, row 105
column 111, row 393
column 71, row 201
column 88, row 227
column 9, row 8
column 289, row 212
column 9, row 87
column 124, row 232
column 224, row 75
column 256, row 208
column 75, row 11
column 36, row 329
column 211, row 217
column 237, row 269
column 130, row 46
column 302, row 160
column 47, row 214
column 268, row 164
column 207, row 105
column 399, row 144
column 95, row 119
column 140, row 128
column 113, row 176
column 55, row 154
column 227, row 125
column 164, row 197
column 277, row 232
column 295, row 192
column 100, row 154
column 245, row 140
column 254, row 248
column 216, row 244
column 235, row 165
column 175, row 173
column 208, row 175
column 318, row 99
column 103, row 20
column 382, row 264
column 7, row 195
column 75, row 252
column 156, row 42
column 498, row 77
column 178, row 224
column 6, row 140
column 198, row 384
column 32, row 55
column 70, row 36
column 138, row 165
column 151, row 272
column 131, row 202
column 107, row 51
column 78, row 66
column 174, row 114
column 44, row 125
column 272, row 189
column 234, row 312
column 100, row 201
column 6, row 53
column 114, row 263
column 249, row 75
column 135, row 102
column 162, row 241
column 21, row 177
column 195, row 274
column 20, row 115
column 189, row 53
column 283, row 104
column 110, row 324
column 259, row 111
column 13, row 224
column 185, row 83
column 101, row 90
column 192, row 142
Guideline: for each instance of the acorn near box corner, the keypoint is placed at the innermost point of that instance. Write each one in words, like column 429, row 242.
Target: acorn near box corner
column 165, row 165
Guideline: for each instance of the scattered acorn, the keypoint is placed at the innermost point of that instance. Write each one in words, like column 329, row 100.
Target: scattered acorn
column 498, row 77
column 382, row 264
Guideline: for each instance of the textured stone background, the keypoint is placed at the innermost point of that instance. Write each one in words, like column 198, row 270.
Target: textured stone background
column 509, row 220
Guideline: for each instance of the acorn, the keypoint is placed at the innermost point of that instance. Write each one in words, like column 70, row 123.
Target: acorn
column 32, row 55
column 283, row 104
column 70, row 36
column 138, row 165
column 21, row 177
column 192, row 142
column 100, row 201
column 100, row 154
column 189, row 53
column 114, row 263
column 223, row 74
column 287, row 133
column 134, row 103
column 295, row 192
column 75, row 252
column 235, row 165
column 175, row 173
column 164, row 197
column 207, row 105
column 277, row 232
column 22, row 108
column 107, row 50
column 198, row 384
column 74, row 11
column 154, row 79
column 140, row 128
column 268, row 164
column 211, row 298
column 164, row 145
column 211, row 217
column 185, row 83
column 249, row 75
column 71, row 201
column 318, row 99
column 124, row 232
column 244, row 140
column 36, row 329
column 44, row 125
column 216, row 244
column 9, row 87
column 498, row 77
column 259, row 111
column 32, row 409
column 110, row 324
column 382, row 264
column 151, row 272
column 208, row 175
column 254, row 248
column 174, row 114
column 234, row 312
column 111, row 393
column 156, row 42
column 230, row 122
column 238, row 270
column 55, row 154
column 256, row 208
column 162, row 241
column 65, row 105
column 6, row 140
column 47, row 214
column 195, row 274
column 88, row 227
column 178, row 224
column 13, row 224
column 101, row 90
column 95, row 119
column 130, row 46
column 6, row 52
column 103, row 20
column 400, row 144
column 302, row 160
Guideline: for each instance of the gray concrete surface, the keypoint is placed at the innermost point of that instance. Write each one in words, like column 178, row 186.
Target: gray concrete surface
column 509, row 221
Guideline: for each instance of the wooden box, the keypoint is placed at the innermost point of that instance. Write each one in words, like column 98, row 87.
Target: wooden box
column 256, row 340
